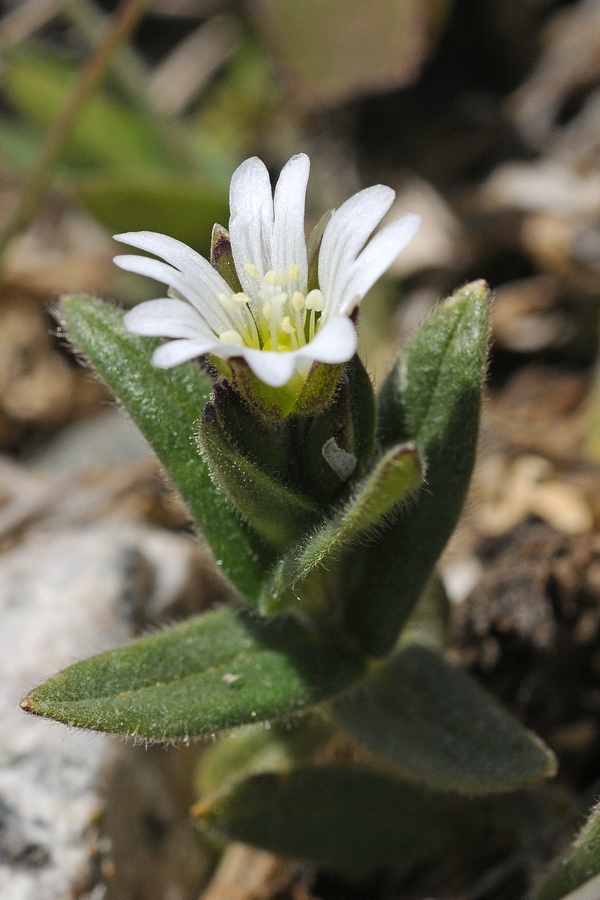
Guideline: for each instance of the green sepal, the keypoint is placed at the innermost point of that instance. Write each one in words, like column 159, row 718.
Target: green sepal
column 438, row 726
column 221, row 257
column 303, row 395
column 433, row 397
column 225, row 669
column 350, row 422
column 319, row 389
column 266, row 444
column 341, row 818
column 166, row 404
column 394, row 477
column 579, row 865
column 277, row 512
column 273, row 404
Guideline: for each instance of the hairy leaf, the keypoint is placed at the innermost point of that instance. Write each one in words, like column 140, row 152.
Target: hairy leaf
column 579, row 865
column 219, row 671
column 393, row 477
column 437, row 725
column 342, row 818
column 432, row 397
column 166, row 404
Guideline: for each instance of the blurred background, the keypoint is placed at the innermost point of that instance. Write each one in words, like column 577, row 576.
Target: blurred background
column 484, row 116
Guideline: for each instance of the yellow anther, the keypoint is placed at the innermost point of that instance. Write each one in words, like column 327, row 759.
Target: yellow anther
column 271, row 277
column 227, row 303
column 294, row 273
column 241, row 298
column 267, row 310
column 286, row 325
column 231, row 337
column 251, row 270
column 315, row 300
column 283, row 277
column 297, row 301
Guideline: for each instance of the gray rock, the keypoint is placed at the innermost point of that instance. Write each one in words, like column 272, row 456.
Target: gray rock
column 64, row 596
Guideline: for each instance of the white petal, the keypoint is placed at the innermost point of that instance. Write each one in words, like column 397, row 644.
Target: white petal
column 204, row 302
column 376, row 259
column 251, row 222
column 173, row 353
column 345, row 235
column 334, row 343
column 197, row 271
column 289, row 239
column 275, row 369
column 167, row 318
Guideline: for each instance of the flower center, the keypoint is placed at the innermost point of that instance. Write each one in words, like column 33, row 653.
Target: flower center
column 277, row 315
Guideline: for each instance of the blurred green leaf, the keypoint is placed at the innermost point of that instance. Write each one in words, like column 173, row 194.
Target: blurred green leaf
column 342, row 818
column 432, row 397
column 437, row 725
column 166, row 405
column 580, row 864
column 183, row 208
column 430, row 619
column 19, row 147
column 107, row 132
column 222, row 670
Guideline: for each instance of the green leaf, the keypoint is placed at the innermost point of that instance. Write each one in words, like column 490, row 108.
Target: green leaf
column 430, row 619
column 107, row 132
column 184, row 208
column 256, row 748
column 166, row 404
column 432, row 397
column 222, row 670
column 579, row 865
column 437, row 725
column 277, row 512
column 391, row 480
column 342, row 818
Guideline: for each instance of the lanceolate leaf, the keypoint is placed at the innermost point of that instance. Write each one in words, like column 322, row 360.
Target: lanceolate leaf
column 395, row 475
column 432, row 397
column 437, row 725
column 580, row 864
column 166, row 406
column 342, row 818
column 222, row 670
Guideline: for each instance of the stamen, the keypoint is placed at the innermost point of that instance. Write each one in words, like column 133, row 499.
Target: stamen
column 271, row 278
column 315, row 300
column 294, row 273
column 231, row 337
column 267, row 311
column 297, row 300
column 288, row 328
column 241, row 298
column 251, row 271
column 227, row 303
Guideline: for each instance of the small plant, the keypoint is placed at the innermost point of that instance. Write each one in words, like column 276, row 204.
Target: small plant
column 354, row 742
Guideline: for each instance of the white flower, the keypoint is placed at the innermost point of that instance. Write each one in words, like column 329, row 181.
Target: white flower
column 274, row 324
